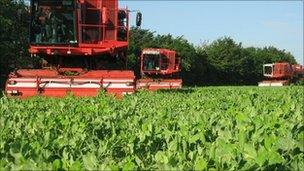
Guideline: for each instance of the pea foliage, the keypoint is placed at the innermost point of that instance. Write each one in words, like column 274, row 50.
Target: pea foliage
column 214, row 128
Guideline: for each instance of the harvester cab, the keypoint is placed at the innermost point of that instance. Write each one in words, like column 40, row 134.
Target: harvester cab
column 159, row 62
column 159, row 69
column 78, row 28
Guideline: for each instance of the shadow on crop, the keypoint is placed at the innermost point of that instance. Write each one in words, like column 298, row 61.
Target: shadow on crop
column 183, row 90
column 2, row 83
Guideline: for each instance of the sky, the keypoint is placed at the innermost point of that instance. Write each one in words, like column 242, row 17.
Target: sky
column 254, row 23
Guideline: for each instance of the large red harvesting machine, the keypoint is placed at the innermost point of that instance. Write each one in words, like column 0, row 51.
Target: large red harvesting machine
column 159, row 69
column 83, row 45
column 281, row 74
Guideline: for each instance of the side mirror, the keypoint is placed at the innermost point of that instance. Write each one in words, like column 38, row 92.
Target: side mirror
column 122, row 15
column 138, row 19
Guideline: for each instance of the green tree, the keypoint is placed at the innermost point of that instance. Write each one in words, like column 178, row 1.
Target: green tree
column 224, row 59
column 14, row 17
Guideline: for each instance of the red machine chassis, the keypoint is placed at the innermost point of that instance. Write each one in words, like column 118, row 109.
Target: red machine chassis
column 49, row 82
column 157, row 84
column 27, row 83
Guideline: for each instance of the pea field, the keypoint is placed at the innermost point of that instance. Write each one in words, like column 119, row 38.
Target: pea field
column 211, row 128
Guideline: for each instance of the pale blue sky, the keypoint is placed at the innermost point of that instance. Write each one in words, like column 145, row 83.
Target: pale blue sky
column 254, row 23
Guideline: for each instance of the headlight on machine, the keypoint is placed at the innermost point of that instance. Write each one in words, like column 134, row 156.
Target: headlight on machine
column 12, row 92
column 130, row 83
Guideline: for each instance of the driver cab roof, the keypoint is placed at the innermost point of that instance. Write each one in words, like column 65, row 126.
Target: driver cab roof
column 157, row 51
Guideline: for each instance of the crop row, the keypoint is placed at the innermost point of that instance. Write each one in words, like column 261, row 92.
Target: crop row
column 216, row 128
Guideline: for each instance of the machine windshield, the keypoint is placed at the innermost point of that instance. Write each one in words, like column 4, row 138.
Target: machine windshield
column 53, row 22
column 155, row 62
column 151, row 62
column 267, row 70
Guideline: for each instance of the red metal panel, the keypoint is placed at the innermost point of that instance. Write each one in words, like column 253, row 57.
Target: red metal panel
column 111, row 31
column 107, row 47
column 153, row 85
column 298, row 69
column 36, row 73
column 87, row 84
column 282, row 70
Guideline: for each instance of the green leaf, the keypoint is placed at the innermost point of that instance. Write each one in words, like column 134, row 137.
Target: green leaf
column 262, row 156
column 89, row 161
column 195, row 137
column 200, row 164
column 57, row 165
column 76, row 166
column 275, row 158
column 18, row 157
column 286, row 143
column 249, row 152
column 129, row 166
column 173, row 145
column 212, row 151
column 268, row 141
column 114, row 167
column 161, row 157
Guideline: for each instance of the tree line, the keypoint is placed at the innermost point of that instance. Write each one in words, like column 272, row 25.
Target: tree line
column 221, row 62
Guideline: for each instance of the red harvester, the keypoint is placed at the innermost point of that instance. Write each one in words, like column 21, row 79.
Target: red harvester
column 83, row 45
column 159, row 70
column 281, row 74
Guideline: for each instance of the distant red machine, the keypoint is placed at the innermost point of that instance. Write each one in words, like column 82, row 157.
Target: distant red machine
column 281, row 74
column 83, row 45
column 159, row 69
